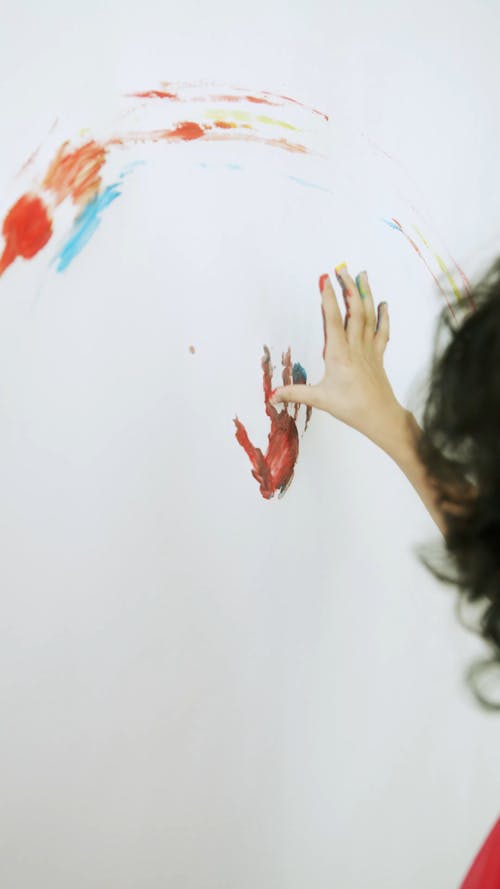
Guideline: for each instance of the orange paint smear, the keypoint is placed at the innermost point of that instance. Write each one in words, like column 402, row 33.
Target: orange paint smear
column 186, row 131
column 75, row 173
column 294, row 147
column 224, row 124
column 189, row 130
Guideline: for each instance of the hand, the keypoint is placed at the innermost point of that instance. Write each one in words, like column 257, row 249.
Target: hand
column 355, row 387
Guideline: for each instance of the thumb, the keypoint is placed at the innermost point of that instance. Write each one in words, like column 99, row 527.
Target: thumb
column 295, row 394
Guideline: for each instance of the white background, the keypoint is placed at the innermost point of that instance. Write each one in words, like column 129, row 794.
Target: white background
column 198, row 688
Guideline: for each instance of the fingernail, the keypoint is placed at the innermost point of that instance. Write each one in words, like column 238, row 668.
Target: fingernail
column 322, row 281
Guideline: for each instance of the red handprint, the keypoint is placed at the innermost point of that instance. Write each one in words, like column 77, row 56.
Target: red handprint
column 274, row 470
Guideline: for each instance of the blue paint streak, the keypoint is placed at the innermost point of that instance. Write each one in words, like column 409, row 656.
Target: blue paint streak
column 392, row 224
column 85, row 225
column 235, row 166
column 298, row 373
column 130, row 168
column 310, row 184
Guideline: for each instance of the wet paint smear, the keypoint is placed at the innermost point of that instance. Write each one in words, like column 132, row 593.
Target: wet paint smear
column 76, row 173
column 274, row 470
column 26, row 229
column 86, row 224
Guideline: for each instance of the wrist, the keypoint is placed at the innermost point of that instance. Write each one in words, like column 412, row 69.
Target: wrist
column 396, row 432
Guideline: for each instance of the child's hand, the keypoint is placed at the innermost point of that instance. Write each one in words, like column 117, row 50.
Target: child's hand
column 355, row 387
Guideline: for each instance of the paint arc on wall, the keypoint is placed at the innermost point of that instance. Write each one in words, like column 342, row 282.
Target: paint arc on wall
column 77, row 173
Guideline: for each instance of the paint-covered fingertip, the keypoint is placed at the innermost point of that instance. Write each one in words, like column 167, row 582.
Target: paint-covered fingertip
column 360, row 284
column 341, row 267
column 322, row 281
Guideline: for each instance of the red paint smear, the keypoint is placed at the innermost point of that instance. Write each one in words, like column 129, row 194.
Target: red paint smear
column 322, row 281
column 163, row 94
column 274, row 470
column 26, row 228
column 269, row 96
column 256, row 99
column 296, row 102
column 76, row 173
column 467, row 284
column 187, row 131
column 154, row 94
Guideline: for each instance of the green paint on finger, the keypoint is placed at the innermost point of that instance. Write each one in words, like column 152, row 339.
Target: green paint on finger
column 359, row 285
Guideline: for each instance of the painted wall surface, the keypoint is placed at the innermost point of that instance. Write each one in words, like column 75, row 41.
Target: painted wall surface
column 200, row 687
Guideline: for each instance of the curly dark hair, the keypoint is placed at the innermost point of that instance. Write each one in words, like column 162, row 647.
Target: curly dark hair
column 460, row 448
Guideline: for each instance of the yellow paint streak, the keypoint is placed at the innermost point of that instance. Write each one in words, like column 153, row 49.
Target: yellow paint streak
column 442, row 265
column 444, row 268
column 248, row 117
column 272, row 121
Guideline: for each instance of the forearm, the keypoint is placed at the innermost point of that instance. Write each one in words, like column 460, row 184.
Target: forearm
column 398, row 436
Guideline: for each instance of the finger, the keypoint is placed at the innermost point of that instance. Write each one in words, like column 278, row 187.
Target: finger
column 286, row 361
column 355, row 313
column 382, row 333
column 296, row 395
column 365, row 293
column 335, row 341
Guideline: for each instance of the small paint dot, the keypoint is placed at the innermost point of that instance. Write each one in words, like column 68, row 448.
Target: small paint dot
column 192, row 350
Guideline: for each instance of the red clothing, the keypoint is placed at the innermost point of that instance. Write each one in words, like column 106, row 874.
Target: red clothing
column 485, row 870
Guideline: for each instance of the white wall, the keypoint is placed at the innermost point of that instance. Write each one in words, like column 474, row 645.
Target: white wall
column 199, row 688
